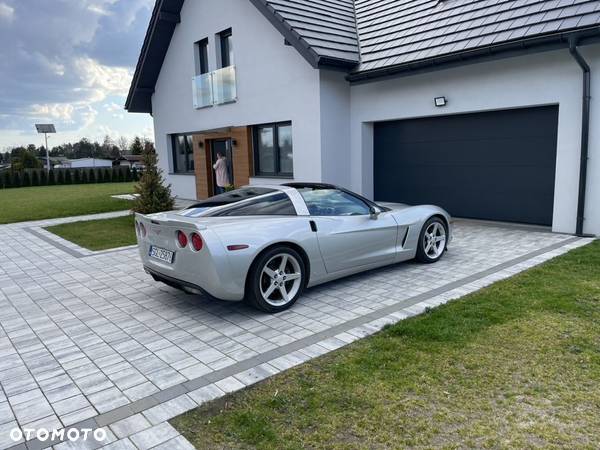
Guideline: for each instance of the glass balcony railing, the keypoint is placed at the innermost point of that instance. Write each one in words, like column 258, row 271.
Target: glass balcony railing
column 224, row 87
column 215, row 88
column 202, row 86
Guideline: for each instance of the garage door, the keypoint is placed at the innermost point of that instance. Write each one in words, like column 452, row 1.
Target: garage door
column 496, row 165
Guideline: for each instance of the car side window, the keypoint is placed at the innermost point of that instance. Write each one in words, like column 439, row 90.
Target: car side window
column 271, row 205
column 333, row 202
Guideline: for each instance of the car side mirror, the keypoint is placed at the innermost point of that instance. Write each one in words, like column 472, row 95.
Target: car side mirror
column 375, row 212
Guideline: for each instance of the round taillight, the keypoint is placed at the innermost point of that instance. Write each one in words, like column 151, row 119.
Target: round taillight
column 182, row 239
column 142, row 229
column 197, row 242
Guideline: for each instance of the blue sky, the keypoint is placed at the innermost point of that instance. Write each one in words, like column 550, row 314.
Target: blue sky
column 69, row 62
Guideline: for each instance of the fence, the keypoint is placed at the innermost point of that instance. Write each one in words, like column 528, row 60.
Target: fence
column 40, row 177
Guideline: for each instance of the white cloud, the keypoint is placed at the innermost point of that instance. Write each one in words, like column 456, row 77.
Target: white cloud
column 7, row 12
column 103, row 80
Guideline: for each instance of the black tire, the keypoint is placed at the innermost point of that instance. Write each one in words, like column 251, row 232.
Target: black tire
column 259, row 281
column 422, row 255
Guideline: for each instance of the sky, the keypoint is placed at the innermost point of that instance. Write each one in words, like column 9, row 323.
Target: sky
column 69, row 62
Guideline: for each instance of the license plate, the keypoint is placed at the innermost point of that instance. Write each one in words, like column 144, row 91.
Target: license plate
column 162, row 254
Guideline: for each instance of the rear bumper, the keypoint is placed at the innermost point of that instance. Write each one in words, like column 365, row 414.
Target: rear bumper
column 185, row 286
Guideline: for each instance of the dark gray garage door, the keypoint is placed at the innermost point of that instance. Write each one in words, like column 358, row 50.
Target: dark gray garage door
column 495, row 165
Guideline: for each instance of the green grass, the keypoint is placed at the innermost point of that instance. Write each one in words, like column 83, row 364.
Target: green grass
column 98, row 234
column 50, row 202
column 516, row 365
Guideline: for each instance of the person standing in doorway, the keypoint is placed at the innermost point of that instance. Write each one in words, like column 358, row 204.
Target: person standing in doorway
column 221, row 174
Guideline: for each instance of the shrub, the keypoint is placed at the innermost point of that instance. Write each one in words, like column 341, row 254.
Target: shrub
column 76, row 176
column 26, row 178
column 92, row 178
column 128, row 174
column 153, row 195
column 85, row 176
column 68, row 177
column 51, row 178
column 44, row 178
column 121, row 175
column 6, row 179
column 16, row 179
column 60, row 177
column 35, row 177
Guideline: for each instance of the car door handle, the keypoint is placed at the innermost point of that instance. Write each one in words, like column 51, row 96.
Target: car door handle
column 313, row 226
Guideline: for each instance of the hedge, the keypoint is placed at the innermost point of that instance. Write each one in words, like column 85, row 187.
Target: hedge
column 40, row 177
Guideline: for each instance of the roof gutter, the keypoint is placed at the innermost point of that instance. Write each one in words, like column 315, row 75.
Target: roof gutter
column 585, row 133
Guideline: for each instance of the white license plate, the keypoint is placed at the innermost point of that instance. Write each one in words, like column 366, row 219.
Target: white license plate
column 162, row 254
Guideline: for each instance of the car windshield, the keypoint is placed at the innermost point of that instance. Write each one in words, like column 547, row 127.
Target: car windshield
column 228, row 198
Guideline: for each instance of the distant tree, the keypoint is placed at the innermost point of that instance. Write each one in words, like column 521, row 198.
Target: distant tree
column 153, row 195
column 123, row 144
column 137, row 147
column 24, row 158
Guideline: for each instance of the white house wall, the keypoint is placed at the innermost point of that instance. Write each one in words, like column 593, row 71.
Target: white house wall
column 534, row 80
column 274, row 83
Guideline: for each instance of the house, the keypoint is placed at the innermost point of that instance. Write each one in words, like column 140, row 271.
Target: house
column 131, row 161
column 483, row 107
column 85, row 163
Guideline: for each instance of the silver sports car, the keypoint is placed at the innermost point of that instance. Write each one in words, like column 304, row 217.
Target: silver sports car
column 266, row 244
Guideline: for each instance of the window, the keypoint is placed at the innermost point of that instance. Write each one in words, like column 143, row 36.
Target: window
column 226, row 44
column 273, row 150
column 183, row 153
column 202, row 57
column 278, row 204
column 333, row 202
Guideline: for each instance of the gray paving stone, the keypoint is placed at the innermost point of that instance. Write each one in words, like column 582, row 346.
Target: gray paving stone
column 154, row 436
column 130, row 426
column 168, row 410
column 206, row 394
column 178, row 443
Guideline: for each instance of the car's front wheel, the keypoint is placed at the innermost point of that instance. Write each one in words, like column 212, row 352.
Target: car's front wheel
column 433, row 241
column 277, row 279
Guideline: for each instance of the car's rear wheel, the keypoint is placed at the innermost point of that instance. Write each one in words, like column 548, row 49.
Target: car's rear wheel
column 277, row 279
column 433, row 241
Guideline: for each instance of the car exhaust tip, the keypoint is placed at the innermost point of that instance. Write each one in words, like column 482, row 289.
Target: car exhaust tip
column 192, row 291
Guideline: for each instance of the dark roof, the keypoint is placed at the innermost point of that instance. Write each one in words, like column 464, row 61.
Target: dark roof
column 165, row 17
column 324, row 31
column 399, row 32
column 381, row 37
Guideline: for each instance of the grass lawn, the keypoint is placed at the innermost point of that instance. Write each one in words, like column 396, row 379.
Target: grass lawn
column 49, row 202
column 98, row 234
column 516, row 365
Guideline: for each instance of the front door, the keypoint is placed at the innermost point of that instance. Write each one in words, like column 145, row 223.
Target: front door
column 223, row 147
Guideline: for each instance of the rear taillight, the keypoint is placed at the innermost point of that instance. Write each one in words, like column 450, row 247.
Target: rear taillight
column 182, row 239
column 197, row 242
column 142, row 230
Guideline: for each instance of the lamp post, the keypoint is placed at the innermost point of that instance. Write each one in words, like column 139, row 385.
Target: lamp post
column 46, row 129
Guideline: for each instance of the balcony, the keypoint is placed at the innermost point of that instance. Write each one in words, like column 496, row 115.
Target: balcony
column 215, row 88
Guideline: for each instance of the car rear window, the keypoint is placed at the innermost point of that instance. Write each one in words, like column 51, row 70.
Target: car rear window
column 278, row 204
column 228, row 198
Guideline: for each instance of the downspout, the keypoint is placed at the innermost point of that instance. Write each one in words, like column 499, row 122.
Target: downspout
column 585, row 133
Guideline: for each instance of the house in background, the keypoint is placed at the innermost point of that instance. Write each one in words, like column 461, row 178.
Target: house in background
column 481, row 107
column 131, row 161
column 84, row 163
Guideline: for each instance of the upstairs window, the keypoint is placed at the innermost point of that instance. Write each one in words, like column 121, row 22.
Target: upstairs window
column 273, row 152
column 226, row 47
column 201, row 57
column 183, row 153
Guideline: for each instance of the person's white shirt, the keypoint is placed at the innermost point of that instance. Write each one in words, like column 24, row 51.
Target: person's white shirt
column 221, row 172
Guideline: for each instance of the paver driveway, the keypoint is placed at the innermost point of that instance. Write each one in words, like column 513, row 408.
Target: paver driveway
column 88, row 339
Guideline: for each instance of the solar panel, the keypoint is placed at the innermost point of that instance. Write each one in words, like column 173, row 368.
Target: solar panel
column 45, row 128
